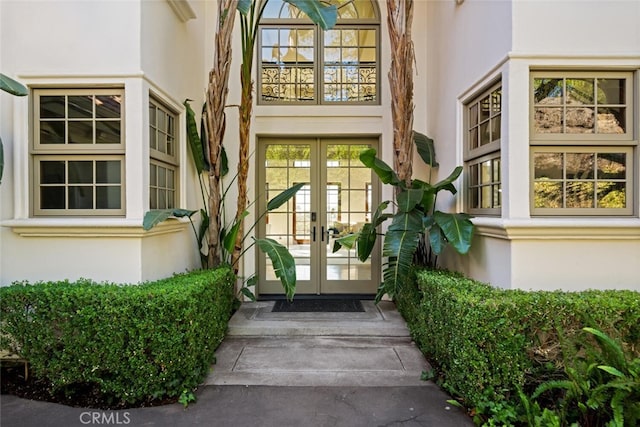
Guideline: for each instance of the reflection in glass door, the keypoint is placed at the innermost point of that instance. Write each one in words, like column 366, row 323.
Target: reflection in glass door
column 336, row 200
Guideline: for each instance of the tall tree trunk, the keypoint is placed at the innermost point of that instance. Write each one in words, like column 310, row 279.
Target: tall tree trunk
column 246, row 108
column 217, row 92
column 249, row 28
column 400, row 17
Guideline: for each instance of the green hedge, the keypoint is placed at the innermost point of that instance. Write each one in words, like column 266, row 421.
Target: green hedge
column 487, row 340
column 133, row 343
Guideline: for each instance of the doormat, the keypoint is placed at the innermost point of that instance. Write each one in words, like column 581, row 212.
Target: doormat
column 318, row 305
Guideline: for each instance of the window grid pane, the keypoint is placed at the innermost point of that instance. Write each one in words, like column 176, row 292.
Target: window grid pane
column 162, row 188
column 482, row 140
column 484, row 185
column 163, row 159
column 580, row 105
column 582, row 143
column 571, row 180
column 79, row 185
column 84, row 119
column 81, row 172
column 301, row 64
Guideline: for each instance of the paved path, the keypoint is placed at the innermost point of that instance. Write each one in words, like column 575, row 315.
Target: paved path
column 290, row 369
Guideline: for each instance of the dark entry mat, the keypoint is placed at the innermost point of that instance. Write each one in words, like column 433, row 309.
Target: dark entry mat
column 318, row 305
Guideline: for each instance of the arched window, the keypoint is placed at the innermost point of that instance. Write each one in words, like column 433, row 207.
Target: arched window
column 299, row 63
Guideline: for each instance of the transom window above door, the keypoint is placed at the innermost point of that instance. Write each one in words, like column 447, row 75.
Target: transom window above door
column 301, row 64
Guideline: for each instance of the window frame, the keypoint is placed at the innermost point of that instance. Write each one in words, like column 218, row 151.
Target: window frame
column 161, row 159
column 319, row 63
column 626, row 142
column 40, row 152
column 488, row 152
column 584, row 149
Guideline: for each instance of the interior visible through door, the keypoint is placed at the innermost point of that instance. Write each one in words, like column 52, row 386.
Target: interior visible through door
column 337, row 198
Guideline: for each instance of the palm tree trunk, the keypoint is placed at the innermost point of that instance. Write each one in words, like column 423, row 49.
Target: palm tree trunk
column 246, row 108
column 400, row 17
column 217, row 92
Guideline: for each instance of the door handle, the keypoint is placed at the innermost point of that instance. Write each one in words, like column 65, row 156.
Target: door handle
column 322, row 228
column 313, row 233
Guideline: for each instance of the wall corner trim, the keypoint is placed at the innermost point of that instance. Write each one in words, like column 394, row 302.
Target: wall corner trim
column 182, row 9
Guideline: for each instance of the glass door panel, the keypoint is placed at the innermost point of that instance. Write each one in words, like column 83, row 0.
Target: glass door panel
column 284, row 166
column 345, row 175
column 336, row 200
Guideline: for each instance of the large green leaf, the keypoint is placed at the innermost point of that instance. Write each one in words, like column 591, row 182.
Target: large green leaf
column 319, row 12
column 408, row 199
column 195, row 143
column 447, row 183
column 284, row 197
column 457, row 228
column 156, row 216
column 437, row 240
column 366, row 241
column 283, row 263
column 349, row 241
column 229, row 239
column 400, row 243
column 426, row 148
column 611, row 350
column 244, row 6
column 11, row 86
column 383, row 170
column 368, row 234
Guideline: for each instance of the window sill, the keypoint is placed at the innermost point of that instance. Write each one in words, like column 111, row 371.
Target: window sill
column 559, row 228
column 91, row 227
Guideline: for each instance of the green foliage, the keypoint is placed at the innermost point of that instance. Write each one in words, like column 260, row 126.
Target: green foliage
column 7, row 84
column 602, row 385
column 133, row 343
column 279, row 254
column 415, row 222
column 489, row 344
column 186, row 397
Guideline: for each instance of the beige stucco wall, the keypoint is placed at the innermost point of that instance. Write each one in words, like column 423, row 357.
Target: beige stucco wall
column 141, row 46
column 460, row 49
column 477, row 42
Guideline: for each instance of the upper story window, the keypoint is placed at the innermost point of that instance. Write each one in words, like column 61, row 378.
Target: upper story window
column 78, row 152
column 483, row 119
column 163, row 168
column 582, row 140
column 301, row 64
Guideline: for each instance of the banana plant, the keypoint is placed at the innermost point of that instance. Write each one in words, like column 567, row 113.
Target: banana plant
column 415, row 219
column 282, row 260
column 7, row 84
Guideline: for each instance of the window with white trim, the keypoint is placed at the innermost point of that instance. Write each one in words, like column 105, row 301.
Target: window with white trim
column 78, row 152
column 299, row 63
column 483, row 119
column 582, row 143
column 163, row 168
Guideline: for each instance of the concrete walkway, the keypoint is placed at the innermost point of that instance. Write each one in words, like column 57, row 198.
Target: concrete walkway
column 290, row 369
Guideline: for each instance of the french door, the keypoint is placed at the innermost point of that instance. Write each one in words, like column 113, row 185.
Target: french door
column 338, row 197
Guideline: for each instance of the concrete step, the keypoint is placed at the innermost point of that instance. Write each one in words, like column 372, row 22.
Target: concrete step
column 318, row 361
column 378, row 320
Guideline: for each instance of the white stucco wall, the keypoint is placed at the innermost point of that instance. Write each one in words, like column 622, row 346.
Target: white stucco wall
column 470, row 45
column 141, row 46
column 570, row 28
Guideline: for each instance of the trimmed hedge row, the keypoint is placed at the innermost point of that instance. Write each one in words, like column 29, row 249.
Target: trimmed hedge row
column 488, row 340
column 133, row 343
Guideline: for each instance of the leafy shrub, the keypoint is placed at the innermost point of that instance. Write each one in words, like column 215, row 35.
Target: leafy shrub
column 602, row 385
column 131, row 343
column 488, row 341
